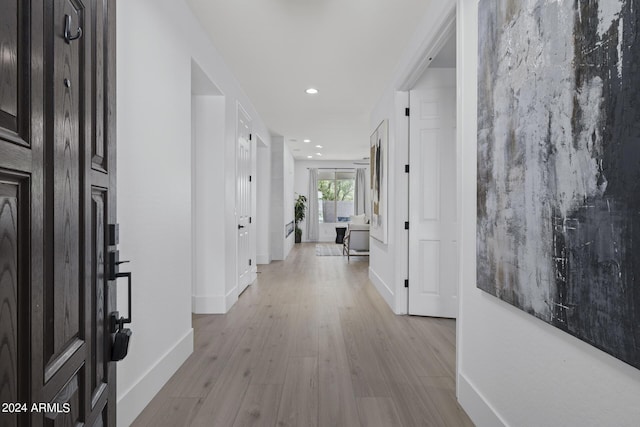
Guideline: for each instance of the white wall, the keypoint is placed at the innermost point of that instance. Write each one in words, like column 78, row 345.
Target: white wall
column 208, row 115
column 276, row 228
column 289, row 214
column 263, row 190
column 326, row 232
column 388, row 262
column 156, row 41
column 281, row 198
column 514, row 369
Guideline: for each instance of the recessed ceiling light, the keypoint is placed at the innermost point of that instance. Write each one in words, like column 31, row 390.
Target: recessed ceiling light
column 307, row 141
column 319, row 154
column 311, row 91
column 309, row 157
column 318, row 146
column 293, row 140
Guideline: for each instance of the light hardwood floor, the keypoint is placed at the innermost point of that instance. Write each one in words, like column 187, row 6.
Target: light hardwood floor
column 312, row 343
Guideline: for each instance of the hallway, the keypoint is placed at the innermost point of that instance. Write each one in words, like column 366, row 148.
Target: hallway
column 311, row 343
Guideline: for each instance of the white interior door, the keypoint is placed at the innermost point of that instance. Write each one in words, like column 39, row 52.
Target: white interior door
column 433, row 265
column 243, row 200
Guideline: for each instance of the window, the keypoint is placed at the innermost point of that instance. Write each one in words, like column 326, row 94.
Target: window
column 335, row 195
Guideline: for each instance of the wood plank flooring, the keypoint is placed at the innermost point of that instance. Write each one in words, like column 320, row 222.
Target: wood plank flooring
column 312, row 343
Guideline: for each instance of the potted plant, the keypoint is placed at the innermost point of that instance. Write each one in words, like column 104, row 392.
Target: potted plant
column 299, row 214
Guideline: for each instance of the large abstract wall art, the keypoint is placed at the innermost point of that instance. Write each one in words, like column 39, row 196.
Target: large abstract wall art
column 379, row 167
column 559, row 165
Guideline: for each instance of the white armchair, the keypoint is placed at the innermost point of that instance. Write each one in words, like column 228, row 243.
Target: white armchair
column 356, row 241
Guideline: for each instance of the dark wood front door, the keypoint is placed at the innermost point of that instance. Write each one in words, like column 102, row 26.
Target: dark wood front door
column 57, row 196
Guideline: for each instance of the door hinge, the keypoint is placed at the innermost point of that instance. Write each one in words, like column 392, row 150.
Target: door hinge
column 406, row 283
column 249, row 220
column 250, row 136
column 406, row 111
column 249, row 178
column 406, row 225
column 249, row 262
column 406, row 168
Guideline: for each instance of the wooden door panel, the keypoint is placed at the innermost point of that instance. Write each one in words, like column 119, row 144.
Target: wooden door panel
column 57, row 195
column 14, row 295
column 99, row 336
column 68, row 410
column 62, row 328
column 98, row 81
column 11, row 280
column 9, row 36
column 14, row 123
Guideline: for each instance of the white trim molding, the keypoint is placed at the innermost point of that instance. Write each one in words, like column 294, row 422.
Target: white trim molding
column 476, row 406
column 382, row 287
column 430, row 45
column 132, row 401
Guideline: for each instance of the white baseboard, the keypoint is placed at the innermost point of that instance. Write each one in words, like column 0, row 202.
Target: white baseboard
column 263, row 259
column 476, row 406
column 383, row 289
column 133, row 401
column 230, row 299
column 215, row 304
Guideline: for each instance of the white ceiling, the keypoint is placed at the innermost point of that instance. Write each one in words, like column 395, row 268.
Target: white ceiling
column 345, row 49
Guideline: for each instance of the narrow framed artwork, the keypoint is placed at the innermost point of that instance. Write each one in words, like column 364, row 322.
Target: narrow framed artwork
column 379, row 171
column 558, row 229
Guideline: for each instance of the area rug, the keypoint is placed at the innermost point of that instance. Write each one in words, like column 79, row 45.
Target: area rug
column 329, row 249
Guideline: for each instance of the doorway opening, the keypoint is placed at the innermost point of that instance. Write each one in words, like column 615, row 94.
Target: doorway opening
column 245, row 194
column 207, row 190
column 433, row 253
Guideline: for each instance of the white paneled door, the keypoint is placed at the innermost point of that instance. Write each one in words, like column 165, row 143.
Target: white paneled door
column 243, row 200
column 433, row 266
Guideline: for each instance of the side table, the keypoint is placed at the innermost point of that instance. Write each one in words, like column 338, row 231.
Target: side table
column 340, row 232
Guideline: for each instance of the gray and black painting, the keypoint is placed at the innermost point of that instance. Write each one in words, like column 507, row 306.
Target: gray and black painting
column 559, row 165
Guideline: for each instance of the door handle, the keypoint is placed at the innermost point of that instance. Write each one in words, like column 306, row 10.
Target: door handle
column 120, row 345
column 118, row 322
column 113, row 265
column 67, row 30
column 240, row 227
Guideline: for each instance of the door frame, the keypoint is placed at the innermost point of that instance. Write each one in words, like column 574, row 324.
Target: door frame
column 440, row 303
column 415, row 66
column 241, row 287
